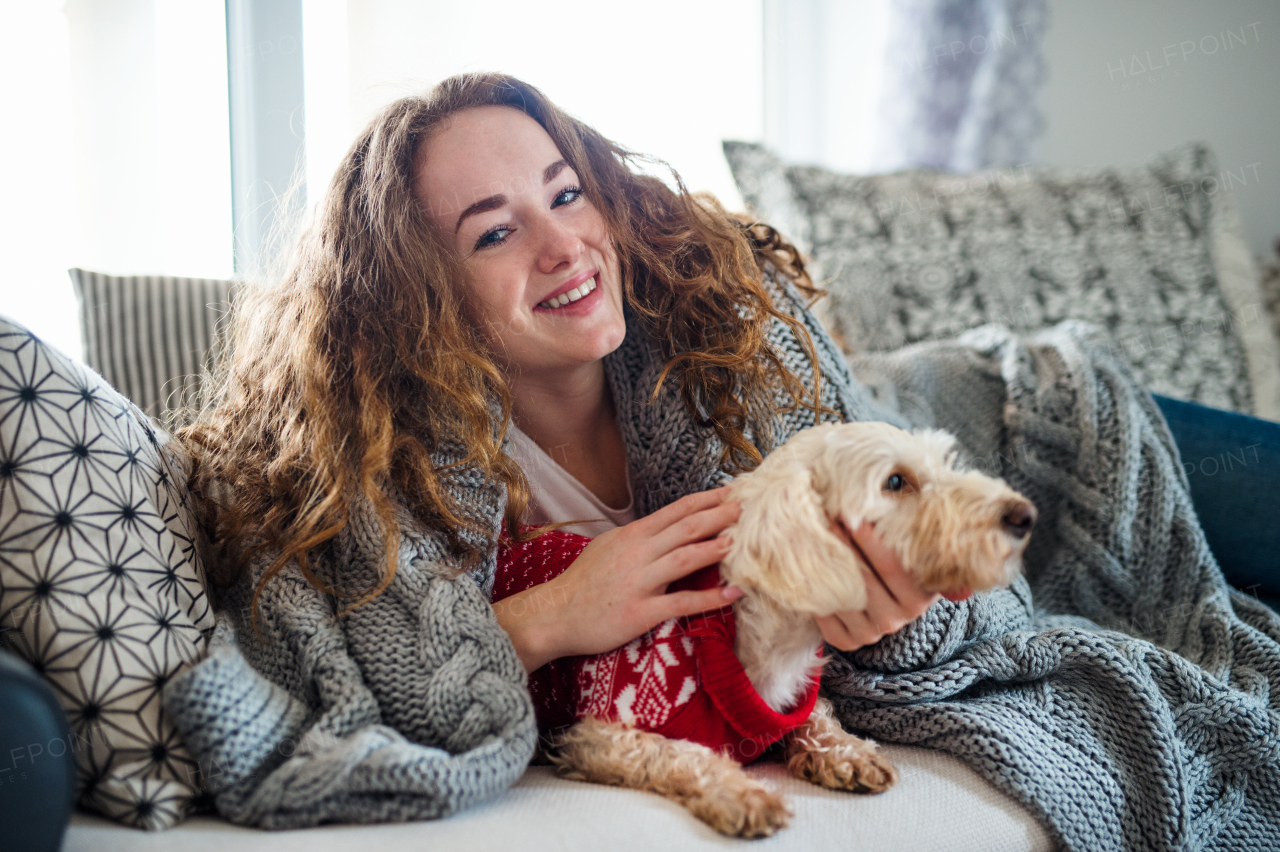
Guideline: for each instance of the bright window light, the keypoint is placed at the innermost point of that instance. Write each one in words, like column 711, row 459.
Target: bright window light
column 38, row 223
column 193, row 142
column 667, row 89
column 122, row 161
column 325, row 80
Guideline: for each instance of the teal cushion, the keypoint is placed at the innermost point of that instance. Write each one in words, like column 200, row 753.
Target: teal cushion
column 37, row 761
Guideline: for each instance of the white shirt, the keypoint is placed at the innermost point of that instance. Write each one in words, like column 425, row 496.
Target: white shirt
column 557, row 496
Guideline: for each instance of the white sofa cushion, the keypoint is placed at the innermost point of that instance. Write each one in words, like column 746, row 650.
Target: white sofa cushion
column 938, row 805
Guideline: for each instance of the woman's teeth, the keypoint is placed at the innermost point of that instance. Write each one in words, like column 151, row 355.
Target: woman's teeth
column 572, row 296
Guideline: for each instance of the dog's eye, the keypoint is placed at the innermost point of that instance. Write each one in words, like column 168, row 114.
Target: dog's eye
column 896, row 482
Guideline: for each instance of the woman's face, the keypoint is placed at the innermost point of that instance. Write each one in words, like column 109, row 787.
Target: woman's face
column 496, row 185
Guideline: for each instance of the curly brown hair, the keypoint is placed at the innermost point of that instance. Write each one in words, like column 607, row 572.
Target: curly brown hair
column 343, row 378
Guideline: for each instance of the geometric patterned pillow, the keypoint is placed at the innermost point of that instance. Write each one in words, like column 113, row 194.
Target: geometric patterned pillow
column 101, row 589
column 1151, row 254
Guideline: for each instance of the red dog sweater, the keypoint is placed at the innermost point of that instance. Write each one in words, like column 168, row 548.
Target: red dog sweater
column 681, row 679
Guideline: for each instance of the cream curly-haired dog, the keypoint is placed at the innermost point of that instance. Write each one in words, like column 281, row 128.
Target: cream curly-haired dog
column 793, row 557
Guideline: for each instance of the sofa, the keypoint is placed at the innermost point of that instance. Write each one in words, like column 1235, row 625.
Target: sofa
column 1154, row 254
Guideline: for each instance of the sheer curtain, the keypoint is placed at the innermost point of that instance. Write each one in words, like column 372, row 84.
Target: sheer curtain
column 870, row 86
column 960, row 87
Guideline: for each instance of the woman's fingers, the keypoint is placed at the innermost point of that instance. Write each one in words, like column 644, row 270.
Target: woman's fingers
column 676, row 604
column 684, row 560
column 893, row 598
column 883, row 613
column 897, row 583
column 854, row 628
column 686, row 505
column 849, row 630
column 700, row 525
column 616, row 588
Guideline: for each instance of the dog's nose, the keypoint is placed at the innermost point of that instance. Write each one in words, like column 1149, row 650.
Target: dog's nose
column 1018, row 519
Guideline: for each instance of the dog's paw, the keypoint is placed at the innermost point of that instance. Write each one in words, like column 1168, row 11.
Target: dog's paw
column 853, row 765
column 748, row 811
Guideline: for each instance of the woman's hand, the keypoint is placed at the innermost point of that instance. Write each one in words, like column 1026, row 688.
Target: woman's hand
column 616, row 589
column 893, row 598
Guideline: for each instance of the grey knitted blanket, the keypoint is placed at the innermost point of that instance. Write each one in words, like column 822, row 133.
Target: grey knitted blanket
column 413, row 706
column 1121, row 690
column 1126, row 701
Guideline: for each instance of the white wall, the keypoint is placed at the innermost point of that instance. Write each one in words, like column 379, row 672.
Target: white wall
column 668, row 77
column 1114, row 96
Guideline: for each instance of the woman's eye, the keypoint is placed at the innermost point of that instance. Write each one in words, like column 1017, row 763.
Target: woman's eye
column 567, row 196
column 896, row 482
column 493, row 237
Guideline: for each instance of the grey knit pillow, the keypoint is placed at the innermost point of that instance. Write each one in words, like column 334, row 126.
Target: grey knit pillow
column 1151, row 254
column 1269, row 284
column 100, row 584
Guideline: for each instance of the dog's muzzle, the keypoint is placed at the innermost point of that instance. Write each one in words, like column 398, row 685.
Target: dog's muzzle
column 1019, row 517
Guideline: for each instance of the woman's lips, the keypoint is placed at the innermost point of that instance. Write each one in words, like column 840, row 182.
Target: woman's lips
column 581, row 306
column 576, row 281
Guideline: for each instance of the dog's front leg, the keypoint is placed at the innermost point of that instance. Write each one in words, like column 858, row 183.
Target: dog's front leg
column 822, row 752
column 713, row 787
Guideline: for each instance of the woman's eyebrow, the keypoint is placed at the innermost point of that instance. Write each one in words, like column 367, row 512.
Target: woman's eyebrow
column 484, row 205
column 493, row 202
column 549, row 174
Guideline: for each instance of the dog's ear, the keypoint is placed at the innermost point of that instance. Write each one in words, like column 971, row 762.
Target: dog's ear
column 784, row 546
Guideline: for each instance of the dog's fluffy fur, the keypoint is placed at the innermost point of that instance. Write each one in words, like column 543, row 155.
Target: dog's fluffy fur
column 792, row 554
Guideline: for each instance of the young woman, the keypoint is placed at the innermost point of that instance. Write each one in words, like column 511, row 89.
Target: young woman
column 478, row 261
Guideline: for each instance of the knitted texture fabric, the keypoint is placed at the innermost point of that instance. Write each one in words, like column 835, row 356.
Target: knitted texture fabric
column 1122, row 690
column 412, row 706
column 681, row 679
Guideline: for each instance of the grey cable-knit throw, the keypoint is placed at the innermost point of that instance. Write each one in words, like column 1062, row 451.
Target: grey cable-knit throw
column 413, row 705
column 1167, row 741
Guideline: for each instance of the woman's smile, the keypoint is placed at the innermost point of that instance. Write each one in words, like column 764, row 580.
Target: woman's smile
column 576, row 297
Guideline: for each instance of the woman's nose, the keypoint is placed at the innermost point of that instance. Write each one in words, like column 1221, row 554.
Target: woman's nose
column 560, row 245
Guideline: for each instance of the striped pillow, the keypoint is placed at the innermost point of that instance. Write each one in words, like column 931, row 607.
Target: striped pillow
column 151, row 336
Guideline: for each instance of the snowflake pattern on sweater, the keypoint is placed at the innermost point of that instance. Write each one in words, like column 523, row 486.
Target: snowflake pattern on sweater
column 681, row 679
